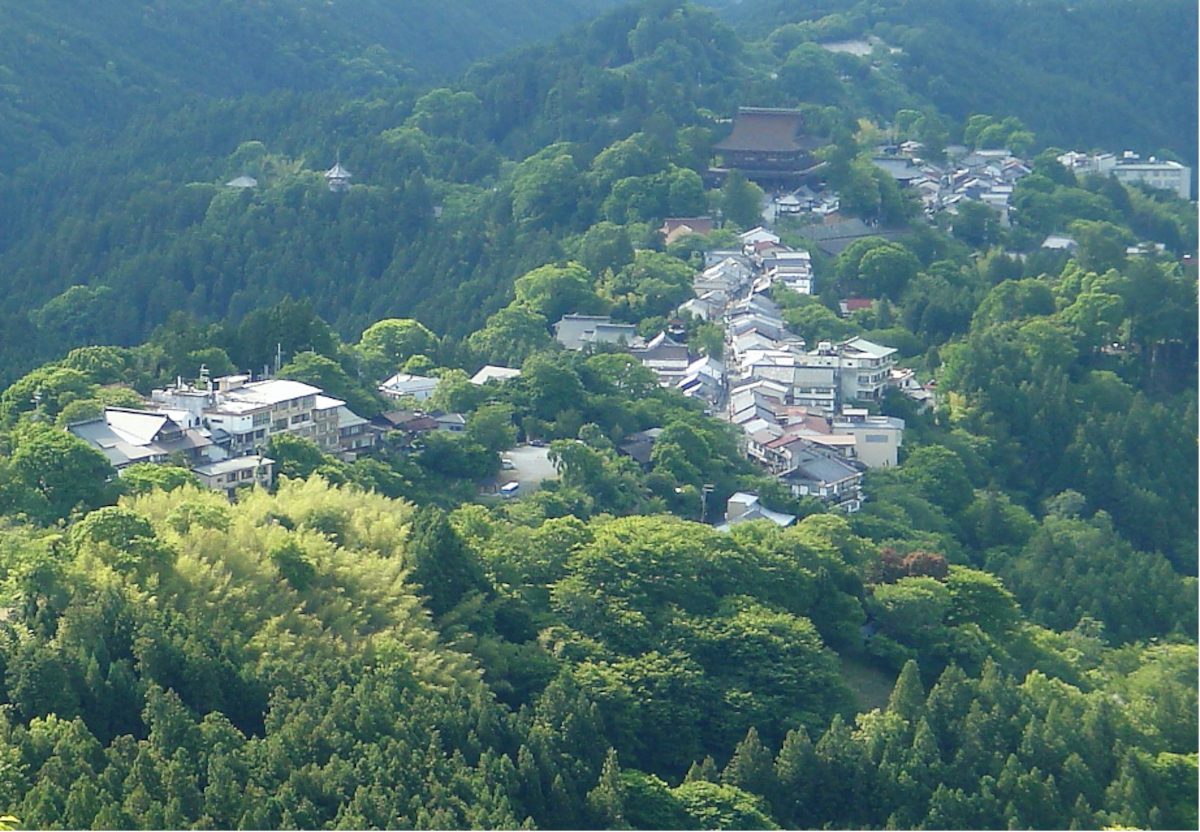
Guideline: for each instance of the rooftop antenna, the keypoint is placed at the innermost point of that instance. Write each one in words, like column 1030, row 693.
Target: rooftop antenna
column 278, row 356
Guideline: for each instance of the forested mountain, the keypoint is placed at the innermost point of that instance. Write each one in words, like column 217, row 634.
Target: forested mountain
column 1037, row 60
column 71, row 68
column 152, row 225
column 1004, row 636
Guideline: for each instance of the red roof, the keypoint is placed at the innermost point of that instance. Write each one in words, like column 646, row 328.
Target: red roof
column 855, row 304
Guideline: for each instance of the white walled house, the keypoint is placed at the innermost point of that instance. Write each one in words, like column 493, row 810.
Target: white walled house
column 409, row 386
column 228, row 474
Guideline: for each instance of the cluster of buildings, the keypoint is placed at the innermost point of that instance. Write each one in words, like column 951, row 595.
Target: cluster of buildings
column 421, row 388
column 1129, row 168
column 796, row 406
column 800, row 409
column 986, row 176
column 220, row 429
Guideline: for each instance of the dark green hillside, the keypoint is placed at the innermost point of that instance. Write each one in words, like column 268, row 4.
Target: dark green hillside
column 1115, row 74
column 152, row 225
column 66, row 65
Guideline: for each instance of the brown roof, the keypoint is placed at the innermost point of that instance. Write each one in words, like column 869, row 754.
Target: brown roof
column 762, row 129
column 698, row 225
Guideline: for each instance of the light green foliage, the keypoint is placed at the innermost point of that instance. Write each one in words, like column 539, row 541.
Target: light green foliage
column 79, row 315
column 546, row 188
column 624, row 373
column 122, row 540
column 510, row 336
column 984, row 132
column 653, row 284
column 387, row 344
column 605, row 246
column 979, row 598
column 46, row 390
column 554, row 291
column 912, row 608
column 1101, row 244
column 940, row 476
column 711, row 806
column 61, row 469
column 443, row 112
column 104, row 365
column 815, row 323
column 365, row 568
column 456, row 394
column 977, row 224
column 634, row 156
column 145, row 476
column 885, row 271
column 810, row 73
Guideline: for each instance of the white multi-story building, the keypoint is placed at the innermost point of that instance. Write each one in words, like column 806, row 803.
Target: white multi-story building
column 243, row 415
column 858, row 368
column 1166, row 176
column 1130, row 168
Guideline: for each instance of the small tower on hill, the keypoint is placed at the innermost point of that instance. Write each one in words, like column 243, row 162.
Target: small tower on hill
column 338, row 177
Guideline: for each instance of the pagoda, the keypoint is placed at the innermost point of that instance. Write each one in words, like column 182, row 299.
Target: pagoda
column 338, row 177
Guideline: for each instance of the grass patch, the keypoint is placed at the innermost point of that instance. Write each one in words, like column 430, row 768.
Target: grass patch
column 871, row 686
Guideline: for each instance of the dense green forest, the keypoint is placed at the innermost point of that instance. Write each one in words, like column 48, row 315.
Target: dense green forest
column 1003, row 637
column 71, row 70
column 953, row 53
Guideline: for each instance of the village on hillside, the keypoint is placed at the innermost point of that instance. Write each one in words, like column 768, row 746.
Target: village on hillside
column 809, row 414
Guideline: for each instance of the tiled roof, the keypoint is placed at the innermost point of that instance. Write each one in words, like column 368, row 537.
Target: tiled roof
column 760, row 129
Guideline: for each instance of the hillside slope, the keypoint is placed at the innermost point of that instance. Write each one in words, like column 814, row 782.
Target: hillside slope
column 1115, row 74
column 67, row 66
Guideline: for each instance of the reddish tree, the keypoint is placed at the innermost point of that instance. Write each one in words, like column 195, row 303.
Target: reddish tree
column 927, row 565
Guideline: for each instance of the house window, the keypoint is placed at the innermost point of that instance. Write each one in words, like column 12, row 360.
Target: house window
column 280, row 424
column 877, row 437
column 262, row 418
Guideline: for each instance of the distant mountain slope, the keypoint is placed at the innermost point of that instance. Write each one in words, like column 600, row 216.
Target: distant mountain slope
column 70, row 65
column 144, row 222
column 1039, row 60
